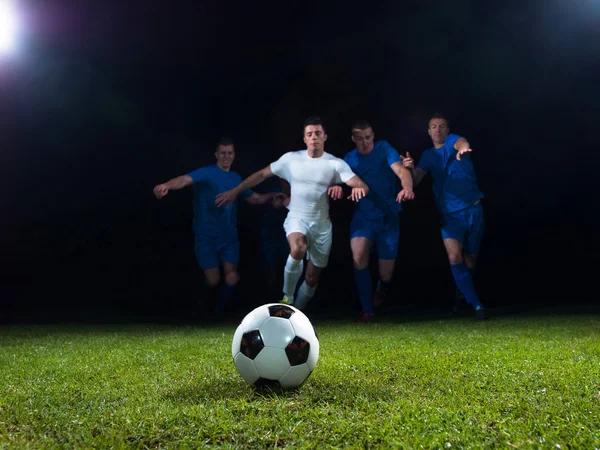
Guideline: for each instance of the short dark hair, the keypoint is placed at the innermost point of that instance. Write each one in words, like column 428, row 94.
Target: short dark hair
column 313, row 120
column 438, row 116
column 224, row 141
column 360, row 125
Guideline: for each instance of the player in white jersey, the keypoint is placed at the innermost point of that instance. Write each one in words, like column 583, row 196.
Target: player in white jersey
column 311, row 174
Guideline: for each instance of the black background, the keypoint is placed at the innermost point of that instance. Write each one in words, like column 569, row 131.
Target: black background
column 105, row 100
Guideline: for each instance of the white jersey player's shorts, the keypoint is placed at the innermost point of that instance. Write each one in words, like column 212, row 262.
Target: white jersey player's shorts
column 318, row 237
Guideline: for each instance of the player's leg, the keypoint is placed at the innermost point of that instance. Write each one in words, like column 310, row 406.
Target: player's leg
column 386, row 272
column 470, row 261
column 319, row 240
column 230, row 258
column 361, row 252
column 459, row 298
column 388, row 238
column 208, row 259
column 361, row 242
column 294, row 265
column 472, row 241
column 213, row 277
column 454, row 228
column 295, row 230
column 308, row 288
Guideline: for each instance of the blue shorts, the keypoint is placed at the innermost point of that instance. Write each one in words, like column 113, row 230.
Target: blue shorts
column 211, row 251
column 465, row 226
column 383, row 232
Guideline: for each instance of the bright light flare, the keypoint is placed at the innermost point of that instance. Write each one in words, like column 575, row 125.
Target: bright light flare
column 9, row 27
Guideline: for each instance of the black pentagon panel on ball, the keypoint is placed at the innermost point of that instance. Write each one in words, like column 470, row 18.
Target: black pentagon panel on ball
column 297, row 351
column 262, row 383
column 283, row 311
column 252, row 344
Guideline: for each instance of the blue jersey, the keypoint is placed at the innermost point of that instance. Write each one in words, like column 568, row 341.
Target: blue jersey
column 374, row 169
column 454, row 182
column 209, row 219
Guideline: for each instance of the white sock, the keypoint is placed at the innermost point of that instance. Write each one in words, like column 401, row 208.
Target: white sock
column 291, row 275
column 305, row 293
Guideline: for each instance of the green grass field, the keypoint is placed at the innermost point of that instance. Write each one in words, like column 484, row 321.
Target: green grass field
column 511, row 382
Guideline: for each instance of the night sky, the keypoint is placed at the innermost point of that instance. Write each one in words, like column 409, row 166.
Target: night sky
column 102, row 102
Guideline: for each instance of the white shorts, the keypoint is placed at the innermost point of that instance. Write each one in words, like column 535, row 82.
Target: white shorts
column 318, row 235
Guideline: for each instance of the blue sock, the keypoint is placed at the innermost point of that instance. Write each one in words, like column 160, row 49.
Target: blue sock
column 362, row 277
column 459, row 294
column 225, row 295
column 464, row 282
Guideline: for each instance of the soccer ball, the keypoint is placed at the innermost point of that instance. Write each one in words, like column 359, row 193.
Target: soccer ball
column 275, row 345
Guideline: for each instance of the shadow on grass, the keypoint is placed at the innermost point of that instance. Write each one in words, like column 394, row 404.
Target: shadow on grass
column 318, row 389
column 219, row 389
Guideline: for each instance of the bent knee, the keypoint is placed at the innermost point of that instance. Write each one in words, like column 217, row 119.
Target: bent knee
column 212, row 280
column 312, row 276
column 360, row 260
column 232, row 278
column 298, row 249
column 455, row 257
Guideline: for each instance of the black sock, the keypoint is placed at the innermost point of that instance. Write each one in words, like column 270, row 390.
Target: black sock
column 383, row 286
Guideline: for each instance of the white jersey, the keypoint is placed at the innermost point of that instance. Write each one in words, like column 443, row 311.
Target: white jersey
column 309, row 180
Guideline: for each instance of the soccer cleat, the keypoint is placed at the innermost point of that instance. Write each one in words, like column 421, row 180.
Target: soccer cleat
column 286, row 300
column 479, row 313
column 365, row 316
column 378, row 298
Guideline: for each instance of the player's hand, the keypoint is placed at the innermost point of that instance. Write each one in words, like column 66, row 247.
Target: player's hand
column 280, row 200
column 460, row 153
column 160, row 191
column 335, row 192
column 226, row 197
column 407, row 161
column 357, row 193
column 405, row 194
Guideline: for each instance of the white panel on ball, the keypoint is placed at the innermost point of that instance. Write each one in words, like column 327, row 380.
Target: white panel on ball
column 255, row 318
column 295, row 376
column 237, row 341
column 272, row 363
column 302, row 326
column 313, row 356
column 277, row 332
column 246, row 368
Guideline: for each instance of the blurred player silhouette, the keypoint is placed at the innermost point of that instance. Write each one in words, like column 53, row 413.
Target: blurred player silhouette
column 458, row 199
column 216, row 237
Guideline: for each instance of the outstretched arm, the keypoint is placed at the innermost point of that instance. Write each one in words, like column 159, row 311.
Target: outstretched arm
column 259, row 199
column 173, row 184
column 229, row 196
column 359, row 188
column 462, row 147
column 417, row 174
column 406, row 180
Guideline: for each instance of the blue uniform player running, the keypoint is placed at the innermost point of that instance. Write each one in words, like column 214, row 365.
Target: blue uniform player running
column 215, row 228
column 458, row 199
column 376, row 223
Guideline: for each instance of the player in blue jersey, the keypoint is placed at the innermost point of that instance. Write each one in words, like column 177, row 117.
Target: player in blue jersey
column 458, row 199
column 375, row 223
column 215, row 229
